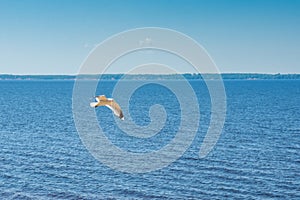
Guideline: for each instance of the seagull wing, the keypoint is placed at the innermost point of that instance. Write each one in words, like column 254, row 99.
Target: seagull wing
column 101, row 98
column 114, row 106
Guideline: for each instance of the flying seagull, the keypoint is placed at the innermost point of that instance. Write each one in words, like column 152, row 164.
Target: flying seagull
column 110, row 103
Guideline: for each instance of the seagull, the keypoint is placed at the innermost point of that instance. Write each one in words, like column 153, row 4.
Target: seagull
column 110, row 103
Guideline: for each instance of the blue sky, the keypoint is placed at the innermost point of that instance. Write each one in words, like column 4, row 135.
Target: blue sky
column 54, row 37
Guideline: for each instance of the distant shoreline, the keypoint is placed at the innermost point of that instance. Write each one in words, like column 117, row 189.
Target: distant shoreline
column 225, row 76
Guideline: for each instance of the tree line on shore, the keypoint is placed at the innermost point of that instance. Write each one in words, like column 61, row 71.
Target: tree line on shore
column 194, row 76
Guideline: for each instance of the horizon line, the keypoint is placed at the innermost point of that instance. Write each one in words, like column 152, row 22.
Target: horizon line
column 93, row 74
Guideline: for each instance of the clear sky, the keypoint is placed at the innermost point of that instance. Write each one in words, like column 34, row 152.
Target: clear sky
column 55, row 36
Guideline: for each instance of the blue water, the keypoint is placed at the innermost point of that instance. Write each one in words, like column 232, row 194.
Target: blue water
column 256, row 157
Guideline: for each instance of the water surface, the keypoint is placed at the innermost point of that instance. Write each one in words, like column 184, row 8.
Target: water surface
column 256, row 157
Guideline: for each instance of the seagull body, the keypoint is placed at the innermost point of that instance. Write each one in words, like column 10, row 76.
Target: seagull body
column 110, row 103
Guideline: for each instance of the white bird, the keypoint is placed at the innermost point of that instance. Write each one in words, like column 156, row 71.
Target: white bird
column 110, row 103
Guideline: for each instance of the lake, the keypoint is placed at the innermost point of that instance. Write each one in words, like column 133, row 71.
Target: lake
column 256, row 157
